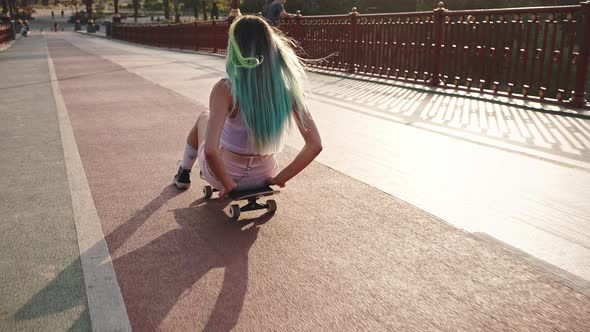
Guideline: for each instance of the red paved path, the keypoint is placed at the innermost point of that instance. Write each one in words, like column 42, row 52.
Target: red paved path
column 338, row 255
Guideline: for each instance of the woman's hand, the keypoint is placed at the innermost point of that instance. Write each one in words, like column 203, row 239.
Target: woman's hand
column 228, row 188
column 277, row 182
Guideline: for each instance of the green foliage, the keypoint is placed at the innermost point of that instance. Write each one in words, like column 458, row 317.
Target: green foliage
column 223, row 5
column 480, row 4
column 99, row 6
column 214, row 10
column 252, row 6
column 81, row 15
column 153, row 5
column 319, row 7
column 331, row 7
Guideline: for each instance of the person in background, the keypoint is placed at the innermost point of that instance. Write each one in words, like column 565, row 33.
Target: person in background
column 24, row 31
column 276, row 11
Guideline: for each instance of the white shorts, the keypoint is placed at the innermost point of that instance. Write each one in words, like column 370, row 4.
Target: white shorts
column 247, row 172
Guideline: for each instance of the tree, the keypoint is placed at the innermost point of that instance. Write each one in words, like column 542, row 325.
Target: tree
column 12, row 7
column 116, row 9
column 135, row 9
column 252, row 6
column 153, row 5
column 204, row 3
column 4, row 6
column 210, row 8
column 166, row 5
column 176, row 4
column 384, row 6
column 89, row 9
column 214, row 11
column 331, row 7
column 100, row 6
column 484, row 4
column 223, row 5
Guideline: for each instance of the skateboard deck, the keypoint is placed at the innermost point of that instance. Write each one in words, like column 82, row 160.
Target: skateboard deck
column 253, row 194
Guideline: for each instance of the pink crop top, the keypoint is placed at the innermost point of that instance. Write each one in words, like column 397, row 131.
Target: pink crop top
column 234, row 136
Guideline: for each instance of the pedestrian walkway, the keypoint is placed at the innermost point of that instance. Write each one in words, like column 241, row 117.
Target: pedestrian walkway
column 341, row 253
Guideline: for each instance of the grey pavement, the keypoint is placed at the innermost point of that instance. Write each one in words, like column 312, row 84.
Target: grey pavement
column 39, row 255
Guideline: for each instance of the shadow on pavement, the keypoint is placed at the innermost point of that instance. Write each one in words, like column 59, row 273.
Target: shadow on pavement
column 65, row 292
column 563, row 134
column 154, row 277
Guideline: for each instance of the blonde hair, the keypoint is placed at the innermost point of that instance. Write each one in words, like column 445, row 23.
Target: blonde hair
column 267, row 81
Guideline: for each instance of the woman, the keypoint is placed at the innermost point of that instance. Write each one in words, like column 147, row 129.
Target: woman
column 250, row 111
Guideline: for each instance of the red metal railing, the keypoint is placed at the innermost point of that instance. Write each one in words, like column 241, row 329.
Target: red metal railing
column 209, row 36
column 5, row 33
column 538, row 53
column 528, row 52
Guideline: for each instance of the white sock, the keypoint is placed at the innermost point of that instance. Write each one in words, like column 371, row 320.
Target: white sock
column 189, row 157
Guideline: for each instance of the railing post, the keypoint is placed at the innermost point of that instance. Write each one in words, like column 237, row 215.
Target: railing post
column 354, row 32
column 439, row 16
column 298, row 27
column 213, row 24
column 196, row 36
column 114, row 30
column 168, row 34
column 579, row 96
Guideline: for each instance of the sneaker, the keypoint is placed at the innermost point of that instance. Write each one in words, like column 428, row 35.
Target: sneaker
column 182, row 179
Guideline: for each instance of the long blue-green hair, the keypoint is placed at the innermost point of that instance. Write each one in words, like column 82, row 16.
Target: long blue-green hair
column 267, row 81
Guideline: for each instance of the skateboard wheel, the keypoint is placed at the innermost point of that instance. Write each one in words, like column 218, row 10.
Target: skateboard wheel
column 207, row 191
column 234, row 211
column 271, row 205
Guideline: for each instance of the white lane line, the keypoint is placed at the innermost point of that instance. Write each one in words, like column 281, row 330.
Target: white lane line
column 105, row 302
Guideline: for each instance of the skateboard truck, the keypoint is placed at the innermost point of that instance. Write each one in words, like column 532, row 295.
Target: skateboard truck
column 251, row 196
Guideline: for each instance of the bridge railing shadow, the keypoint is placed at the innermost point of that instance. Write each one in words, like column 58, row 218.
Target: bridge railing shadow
column 566, row 136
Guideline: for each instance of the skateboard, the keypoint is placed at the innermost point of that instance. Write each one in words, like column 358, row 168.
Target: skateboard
column 251, row 196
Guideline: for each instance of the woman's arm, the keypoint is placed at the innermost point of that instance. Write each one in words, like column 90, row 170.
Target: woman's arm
column 220, row 103
column 313, row 147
